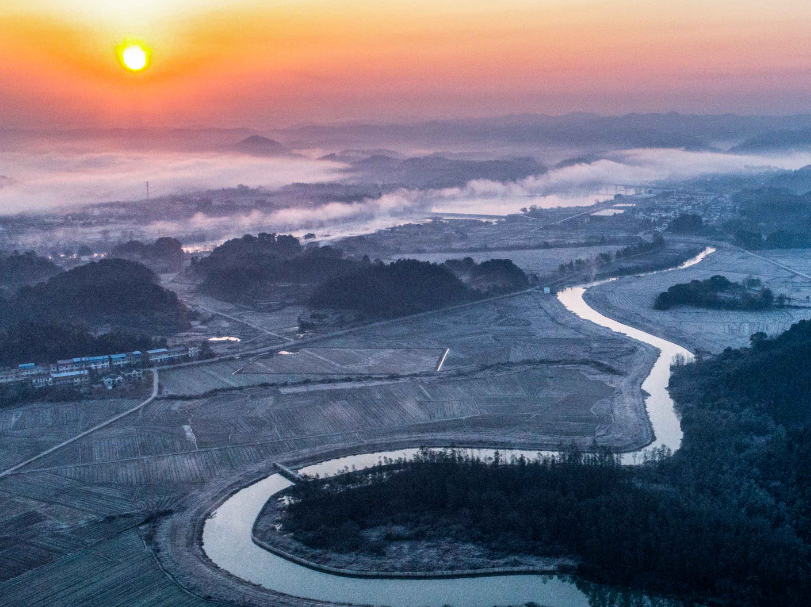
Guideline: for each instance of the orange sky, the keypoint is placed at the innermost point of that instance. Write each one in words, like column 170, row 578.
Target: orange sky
column 273, row 63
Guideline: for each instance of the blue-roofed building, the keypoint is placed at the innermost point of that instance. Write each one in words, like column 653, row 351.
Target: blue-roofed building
column 31, row 370
column 119, row 360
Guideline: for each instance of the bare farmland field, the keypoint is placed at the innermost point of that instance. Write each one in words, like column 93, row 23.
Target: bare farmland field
column 198, row 379
column 796, row 259
column 529, row 326
column 519, row 368
column 115, row 571
column 224, row 319
column 519, row 371
column 30, row 429
column 630, row 300
column 526, row 326
column 348, row 361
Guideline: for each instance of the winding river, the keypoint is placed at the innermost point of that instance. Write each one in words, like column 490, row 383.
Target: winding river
column 227, row 532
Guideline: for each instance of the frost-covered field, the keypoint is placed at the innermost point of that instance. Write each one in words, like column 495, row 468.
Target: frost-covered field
column 520, row 371
column 631, row 299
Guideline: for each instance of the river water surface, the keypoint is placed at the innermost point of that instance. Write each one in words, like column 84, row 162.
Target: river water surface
column 227, row 532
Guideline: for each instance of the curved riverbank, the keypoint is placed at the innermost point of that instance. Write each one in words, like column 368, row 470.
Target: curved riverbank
column 409, row 555
column 225, row 543
column 178, row 539
column 288, row 578
column 404, row 575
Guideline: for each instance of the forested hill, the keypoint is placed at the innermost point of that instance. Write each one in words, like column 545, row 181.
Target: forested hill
column 17, row 269
column 403, row 287
column 798, row 182
column 111, row 292
column 245, row 268
column 780, row 216
column 267, row 265
column 773, row 375
column 408, row 286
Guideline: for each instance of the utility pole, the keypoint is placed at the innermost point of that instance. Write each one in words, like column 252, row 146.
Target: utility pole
column 147, row 190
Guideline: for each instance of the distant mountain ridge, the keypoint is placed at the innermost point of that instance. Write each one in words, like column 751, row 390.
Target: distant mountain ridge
column 436, row 171
column 170, row 139
column 779, row 140
column 577, row 129
column 798, row 181
column 257, row 145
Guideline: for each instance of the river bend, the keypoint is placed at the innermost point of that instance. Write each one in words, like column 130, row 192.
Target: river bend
column 227, row 532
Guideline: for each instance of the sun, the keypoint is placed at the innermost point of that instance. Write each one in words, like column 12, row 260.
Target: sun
column 134, row 56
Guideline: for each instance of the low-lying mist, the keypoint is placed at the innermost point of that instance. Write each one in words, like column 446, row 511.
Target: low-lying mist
column 39, row 181
column 51, row 180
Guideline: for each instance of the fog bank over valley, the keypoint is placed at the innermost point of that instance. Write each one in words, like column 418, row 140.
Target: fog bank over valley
column 208, row 185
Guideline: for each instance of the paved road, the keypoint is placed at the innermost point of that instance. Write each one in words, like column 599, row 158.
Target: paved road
column 90, row 431
column 592, row 209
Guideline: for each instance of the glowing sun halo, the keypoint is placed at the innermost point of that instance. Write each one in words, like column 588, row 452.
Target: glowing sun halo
column 134, row 57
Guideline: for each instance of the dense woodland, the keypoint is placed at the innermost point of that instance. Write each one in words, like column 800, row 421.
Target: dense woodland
column 718, row 292
column 686, row 224
column 18, row 269
column 246, row 268
column 110, row 292
column 772, row 218
column 408, row 286
column 403, row 287
column 726, row 519
column 495, row 275
column 37, row 341
column 253, row 267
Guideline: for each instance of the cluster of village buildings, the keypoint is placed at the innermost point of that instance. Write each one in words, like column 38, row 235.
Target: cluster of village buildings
column 110, row 370
column 713, row 208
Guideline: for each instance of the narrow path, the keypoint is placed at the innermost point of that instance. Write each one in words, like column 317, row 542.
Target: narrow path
column 90, row 431
column 776, row 263
column 591, row 209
